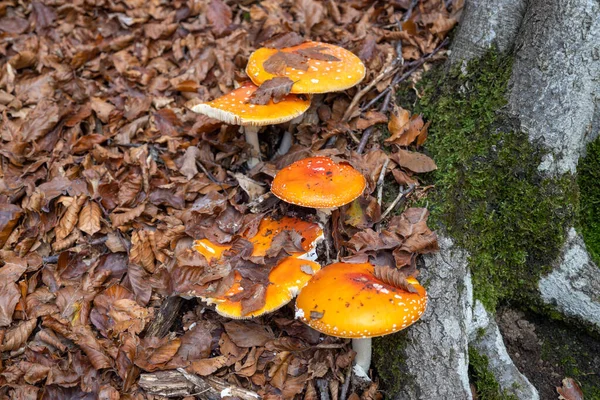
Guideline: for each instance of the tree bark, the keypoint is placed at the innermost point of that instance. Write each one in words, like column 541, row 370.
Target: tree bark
column 438, row 349
column 554, row 92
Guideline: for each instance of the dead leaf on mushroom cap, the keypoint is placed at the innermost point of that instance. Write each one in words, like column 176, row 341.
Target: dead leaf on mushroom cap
column 274, row 89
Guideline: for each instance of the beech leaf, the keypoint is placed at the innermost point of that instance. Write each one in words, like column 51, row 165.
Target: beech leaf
column 273, row 89
column 415, row 162
column 89, row 218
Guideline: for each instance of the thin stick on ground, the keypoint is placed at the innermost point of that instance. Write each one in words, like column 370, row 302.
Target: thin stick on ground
column 401, row 195
column 381, row 180
column 387, row 70
column 401, row 78
column 346, row 385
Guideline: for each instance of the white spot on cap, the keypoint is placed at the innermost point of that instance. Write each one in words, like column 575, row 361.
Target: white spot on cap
column 299, row 313
column 314, row 80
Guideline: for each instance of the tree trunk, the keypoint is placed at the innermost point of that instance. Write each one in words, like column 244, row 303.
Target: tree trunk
column 554, row 94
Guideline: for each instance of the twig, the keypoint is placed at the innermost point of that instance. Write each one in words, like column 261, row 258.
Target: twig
column 383, row 74
column 207, row 172
column 404, row 76
column 364, row 139
column 346, row 385
column 402, row 194
column 380, row 181
column 323, row 389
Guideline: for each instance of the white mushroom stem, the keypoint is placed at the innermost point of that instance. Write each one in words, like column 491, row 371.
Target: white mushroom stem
column 324, row 214
column 251, row 133
column 286, row 143
column 362, row 361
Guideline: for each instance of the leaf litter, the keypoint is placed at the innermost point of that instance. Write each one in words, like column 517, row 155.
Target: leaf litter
column 106, row 178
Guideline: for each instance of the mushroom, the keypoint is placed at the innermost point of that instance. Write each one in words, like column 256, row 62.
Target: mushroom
column 362, row 306
column 342, row 71
column 234, row 108
column 285, row 281
column 324, row 68
column 320, row 183
column 311, row 234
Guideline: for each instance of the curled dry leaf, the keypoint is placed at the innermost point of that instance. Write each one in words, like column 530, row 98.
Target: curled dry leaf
column 69, row 218
column 119, row 219
column 287, row 39
column 9, row 297
column 89, row 218
column 9, row 216
column 18, row 335
column 274, row 89
column 141, row 250
column 569, row 390
column 393, row 277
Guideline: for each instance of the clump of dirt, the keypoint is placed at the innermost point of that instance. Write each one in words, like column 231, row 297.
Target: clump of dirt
column 546, row 351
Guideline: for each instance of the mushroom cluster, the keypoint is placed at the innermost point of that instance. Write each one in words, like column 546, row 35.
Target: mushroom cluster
column 310, row 68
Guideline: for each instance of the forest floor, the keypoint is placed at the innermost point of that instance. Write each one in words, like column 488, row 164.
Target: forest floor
column 107, row 178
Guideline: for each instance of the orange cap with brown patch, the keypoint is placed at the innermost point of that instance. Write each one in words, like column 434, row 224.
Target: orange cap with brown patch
column 360, row 306
column 320, row 76
column 267, row 230
column 318, row 182
column 285, row 281
column 234, row 109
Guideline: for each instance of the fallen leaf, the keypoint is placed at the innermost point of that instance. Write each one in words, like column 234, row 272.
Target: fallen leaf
column 9, row 216
column 274, row 89
column 9, row 297
column 18, row 335
column 569, row 390
column 252, row 188
column 219, row 16
column 415, row 162
column 316, row 53
column 247, row 334
column 70, row 217
column 89, row 218
column 278, row 62
column 208, row 366
column 287, row 39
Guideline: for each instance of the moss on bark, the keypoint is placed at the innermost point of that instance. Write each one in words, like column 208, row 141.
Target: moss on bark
column 486, row 385
column 588, row 179
column 490, row 196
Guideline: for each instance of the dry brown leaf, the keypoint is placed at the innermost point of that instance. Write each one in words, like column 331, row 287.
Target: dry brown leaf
column 399, row 119
column 140, row 282
column 569, row 390
column 69, row 218
column 208, row 366
column 408, row 133
column 278, row 62
column 287, row 39
column 371, row 118
column 9, row 216
column 188, row 167
column 274, row 89
column 89, row 218
column 119, row 219
column 141, row 250
column 415, row 162
column 219, row 15
column 18, row 335
column 393, row 277
column 9, row 297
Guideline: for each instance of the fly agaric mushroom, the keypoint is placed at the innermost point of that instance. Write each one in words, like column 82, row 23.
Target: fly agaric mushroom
column 285, row 281
column 314, row 67
column 362, row 306
column 267, row 230
column 320, row 183
column 325, row 68
column 234, row 109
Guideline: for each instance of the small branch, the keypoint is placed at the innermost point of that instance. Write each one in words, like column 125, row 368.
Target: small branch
column 384, row 73
column 398, row 79
column 401, row 195
column 380, row 181
column 323, row 389
column 181, row 383
column 346, row 385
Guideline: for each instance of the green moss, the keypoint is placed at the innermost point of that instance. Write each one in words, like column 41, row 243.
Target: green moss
column 484, row 380
column 588, row 179
column 388, row 360
column 490, row 197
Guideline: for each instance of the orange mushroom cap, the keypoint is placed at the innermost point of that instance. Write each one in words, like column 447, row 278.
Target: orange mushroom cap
column 234, row 109
column 267, row 230
column 321, row 76
column 318, row 182
column 360, row 306
column 286, row 279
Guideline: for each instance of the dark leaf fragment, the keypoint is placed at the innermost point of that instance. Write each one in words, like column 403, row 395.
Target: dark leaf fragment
column 278, row 62
column 275, row 89
column 316, row 53
column 287, row 39
column 393, row 277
